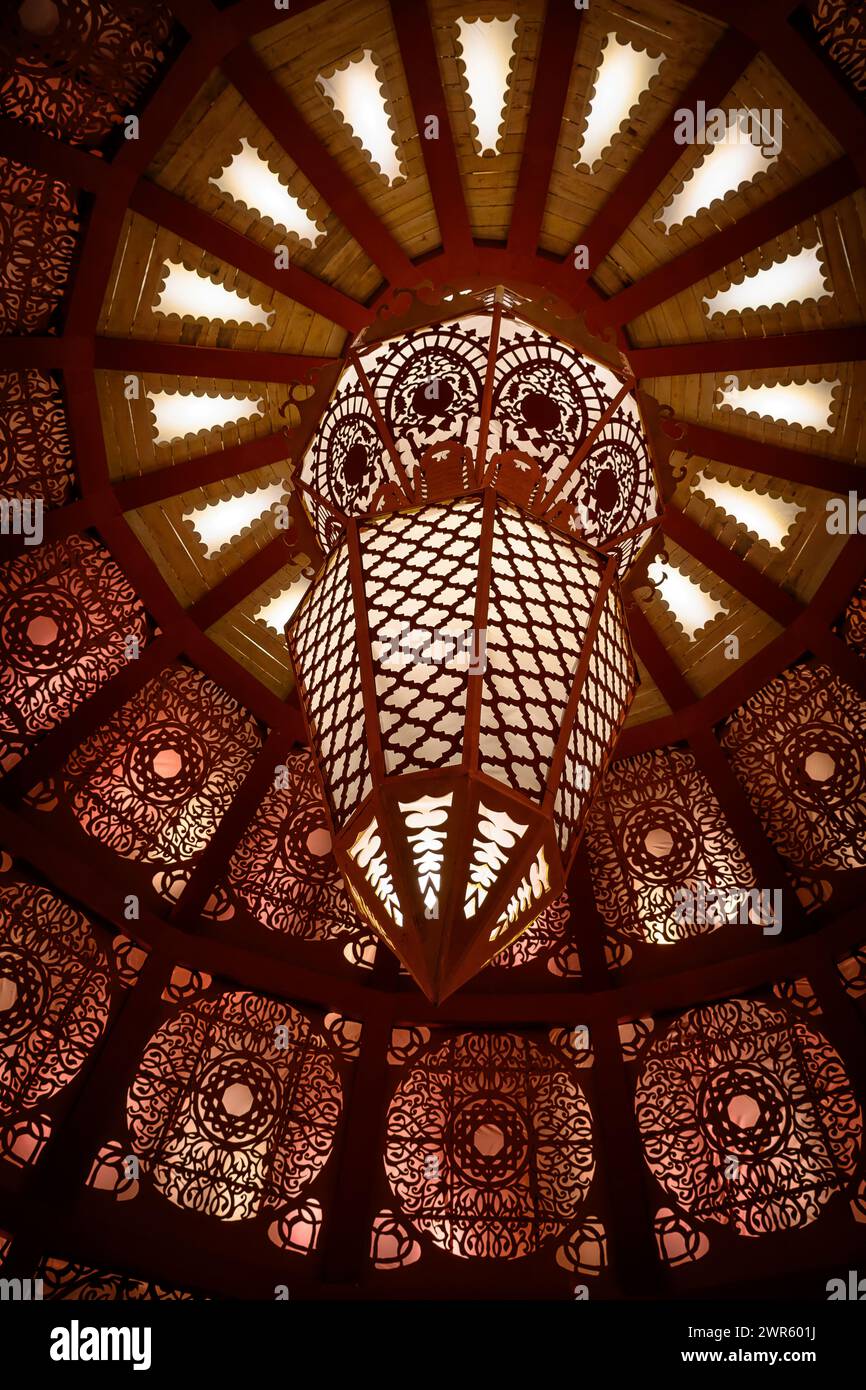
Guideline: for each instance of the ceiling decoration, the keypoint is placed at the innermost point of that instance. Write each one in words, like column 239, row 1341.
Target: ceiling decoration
column 339, row 318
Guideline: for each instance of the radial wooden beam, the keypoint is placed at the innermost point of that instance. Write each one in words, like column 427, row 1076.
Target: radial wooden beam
column 716, row 76
column 244, row 580
column 657, row 659
column 275, row 109
column 773, row 460
column 828, row 345
column 213, row 862
column 46, row 354
column 550, row 90
column 787, row 210
column 728, row 565
column 421, row 65
column 798, row 638
column 156, row 486
column 219, row 239
column 29, row 145
column 186, row 359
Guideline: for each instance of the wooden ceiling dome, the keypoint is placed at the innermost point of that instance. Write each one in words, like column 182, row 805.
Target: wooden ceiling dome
column 225, row 225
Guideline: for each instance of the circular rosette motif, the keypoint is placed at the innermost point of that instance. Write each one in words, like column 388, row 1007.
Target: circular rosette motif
column 543, row 397
column 483, row 1162
column 429, row 387
column 822, row 763
column 747, row 1117
column 54, row 995
column 234, row 1106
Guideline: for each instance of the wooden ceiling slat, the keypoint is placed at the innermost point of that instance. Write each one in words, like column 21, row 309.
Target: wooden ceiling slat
column 728, row 565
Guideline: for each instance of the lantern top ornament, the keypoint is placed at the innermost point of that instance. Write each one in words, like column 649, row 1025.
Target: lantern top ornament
column 462, row 656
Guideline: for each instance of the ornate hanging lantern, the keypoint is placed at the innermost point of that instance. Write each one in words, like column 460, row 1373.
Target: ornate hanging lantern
column 462, row 657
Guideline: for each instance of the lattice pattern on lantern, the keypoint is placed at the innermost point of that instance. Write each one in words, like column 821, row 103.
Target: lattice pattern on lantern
column 661, row 851
column 79, row 71
column 489, row 1145
column 328, row 668
column 546, row 401
column 485, row 724
column 67, row 618
column 39, row 232
column 283, row 870
column 67, row 1279
column 542, row 591
column 54, row 1003
column 601, row 711
column 155, row 781
column 797, row 748
column 234, row 1106
column 747, row 1117
column 420, row 571
column 35, row 455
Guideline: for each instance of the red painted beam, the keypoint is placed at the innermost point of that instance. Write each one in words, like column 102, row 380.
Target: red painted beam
column 244, row 580
column 773, row 460
column 186, row 359
column 275, row 109
column 550, row 90
column 797, row 204
column 46, row 354
column 657, row 659
column 421, row 65
column 800, row 637
column 842, row 659
column 728, row 565
column 57, row 524
column 713, row 81
column 73, row 165
column 822, row 346
column 199, row 472
column 211, row 865
column 217, row 238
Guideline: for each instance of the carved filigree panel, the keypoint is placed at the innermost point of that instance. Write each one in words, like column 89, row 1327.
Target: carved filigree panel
column 234, row 1106
column 155, row 781
column 747, row 1118
column 489, row 1145
column 69, row 621
column 656, row 834
column 797, row 747
column 35, row 453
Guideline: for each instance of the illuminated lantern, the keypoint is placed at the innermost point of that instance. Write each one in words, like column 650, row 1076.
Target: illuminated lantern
column 462, row 658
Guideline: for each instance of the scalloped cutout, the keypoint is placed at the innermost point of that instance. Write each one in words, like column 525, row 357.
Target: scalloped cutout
column 355, row 92
column 487, row 49
column 624, row 74
column 723, row 170
column 690, row 606
column 767, row 518
column 250, row 182
column 806, row 404
column 800, row 278
column 277, row 611
column 190, row 294
column 180, row 414
column 218, row 524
